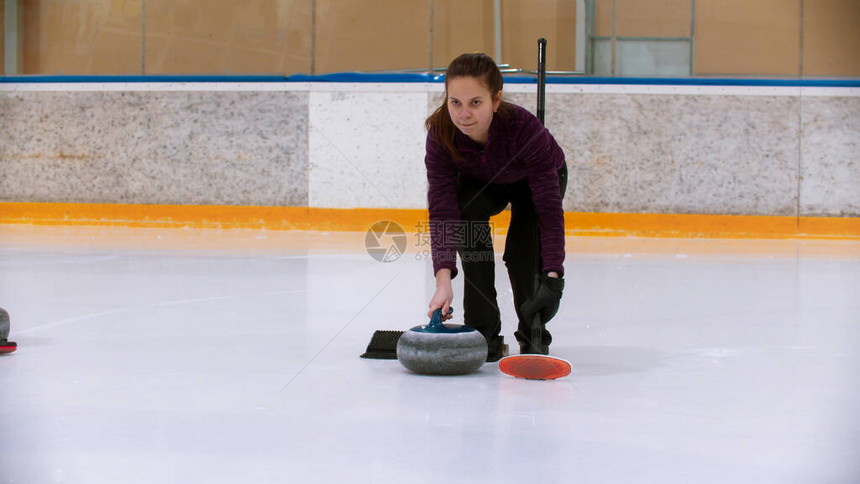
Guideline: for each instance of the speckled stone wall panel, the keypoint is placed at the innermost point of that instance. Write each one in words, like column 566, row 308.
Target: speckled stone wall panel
column 219, row 148
column 830, row 150
column 367, row 149
column 63, row 147
column 720, row 154
column 678, row 154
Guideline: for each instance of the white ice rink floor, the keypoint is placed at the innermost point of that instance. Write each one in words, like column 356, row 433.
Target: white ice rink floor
column 208, row 356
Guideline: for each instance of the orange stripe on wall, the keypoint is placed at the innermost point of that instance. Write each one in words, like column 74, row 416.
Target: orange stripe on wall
column 681, row 225
column 414, row 220
column 204, row 216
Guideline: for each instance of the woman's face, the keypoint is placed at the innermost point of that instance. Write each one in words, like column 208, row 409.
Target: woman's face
column 471, row 106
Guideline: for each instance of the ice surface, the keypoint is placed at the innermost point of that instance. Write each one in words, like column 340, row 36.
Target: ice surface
column 178, row 355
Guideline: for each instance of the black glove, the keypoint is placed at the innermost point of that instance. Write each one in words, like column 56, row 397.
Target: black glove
column 545, row 300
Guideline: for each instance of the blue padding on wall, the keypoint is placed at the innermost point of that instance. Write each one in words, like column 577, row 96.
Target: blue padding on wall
column 361, row 77
column 159, row 78
column 367, row 77
column 705, row 81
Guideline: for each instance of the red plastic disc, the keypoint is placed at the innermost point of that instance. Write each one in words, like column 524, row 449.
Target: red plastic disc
column 535, row 367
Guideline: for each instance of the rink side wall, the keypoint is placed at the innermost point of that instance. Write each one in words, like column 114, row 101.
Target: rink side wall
column 660, row 157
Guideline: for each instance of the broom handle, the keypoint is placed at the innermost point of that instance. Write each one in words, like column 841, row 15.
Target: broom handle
column 541, row 80
column 537, row 328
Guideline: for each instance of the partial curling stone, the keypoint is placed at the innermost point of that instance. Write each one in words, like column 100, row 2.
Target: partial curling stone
column 6, row 346
column 442, row 349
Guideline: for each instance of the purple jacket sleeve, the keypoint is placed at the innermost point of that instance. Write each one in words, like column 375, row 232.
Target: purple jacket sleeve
column 542, row 158
column 442, row 204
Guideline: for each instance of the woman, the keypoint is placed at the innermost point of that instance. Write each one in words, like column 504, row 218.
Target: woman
column 483, row 153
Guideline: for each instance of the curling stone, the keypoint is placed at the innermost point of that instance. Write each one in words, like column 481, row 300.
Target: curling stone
column 442, row 349
column 5, row 345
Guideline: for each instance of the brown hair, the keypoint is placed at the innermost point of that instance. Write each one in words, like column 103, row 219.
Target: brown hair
column 481, row 67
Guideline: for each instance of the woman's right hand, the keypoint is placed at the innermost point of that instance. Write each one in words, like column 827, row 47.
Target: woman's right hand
column 443, row 296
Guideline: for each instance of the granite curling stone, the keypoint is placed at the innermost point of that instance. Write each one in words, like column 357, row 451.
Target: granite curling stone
column 6, row 346
column 442, row 349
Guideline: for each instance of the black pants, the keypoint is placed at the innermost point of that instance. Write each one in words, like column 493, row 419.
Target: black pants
column 478, row 202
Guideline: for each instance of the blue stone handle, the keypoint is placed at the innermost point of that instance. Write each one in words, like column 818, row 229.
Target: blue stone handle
column 436, row 326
